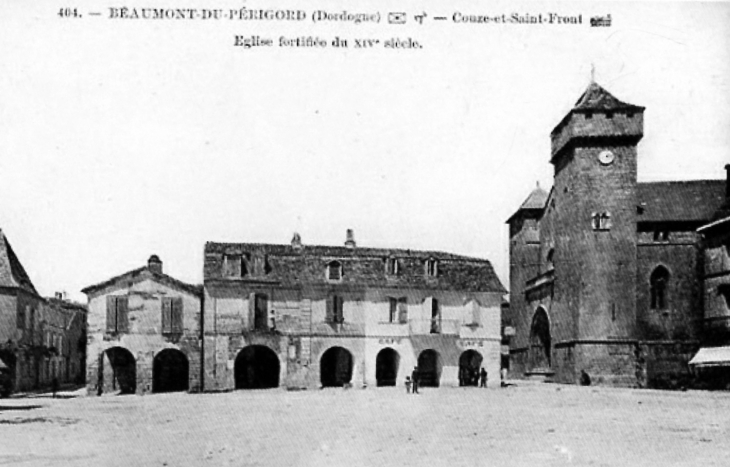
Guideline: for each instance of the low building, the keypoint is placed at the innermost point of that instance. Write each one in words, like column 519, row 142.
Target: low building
column 143, row 333
column 39, row 338
column 712, row 362
column 308, row 316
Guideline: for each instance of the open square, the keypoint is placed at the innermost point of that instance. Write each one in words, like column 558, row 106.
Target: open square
column 532, row 424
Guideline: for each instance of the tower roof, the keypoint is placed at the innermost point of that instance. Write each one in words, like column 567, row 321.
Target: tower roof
column 12, row 273
column 597, row 98
column 535, row 201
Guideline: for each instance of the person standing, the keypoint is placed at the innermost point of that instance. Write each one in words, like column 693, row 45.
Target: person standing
column 415, row 379
column 408, row 384
column 483, row 377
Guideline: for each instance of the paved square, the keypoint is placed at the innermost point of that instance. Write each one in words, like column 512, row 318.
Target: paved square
column 527, row 425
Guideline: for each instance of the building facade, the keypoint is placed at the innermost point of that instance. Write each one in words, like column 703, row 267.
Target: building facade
column 307, row 316
column 39, row 338
column 144, row 330
column 712, row 362
column 604, row 270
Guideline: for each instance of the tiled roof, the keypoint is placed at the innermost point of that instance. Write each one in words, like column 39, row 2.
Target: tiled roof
column 360, row 267
column 12, row 273
column 536, row 200
column 139, row 274
column 686, row 201
column 597, row 98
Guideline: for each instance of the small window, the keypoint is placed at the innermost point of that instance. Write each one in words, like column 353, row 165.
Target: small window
column 334, row 271
column 658, row 288
column 233, row 266
column 601, row 220
column 432, row 267
column 392, row 266
column 609, row 115
column 661, row 235
column 393, row 310
column 589, row 115
column 21, row 318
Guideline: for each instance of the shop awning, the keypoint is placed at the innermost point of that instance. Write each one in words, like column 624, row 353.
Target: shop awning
column 711, row 356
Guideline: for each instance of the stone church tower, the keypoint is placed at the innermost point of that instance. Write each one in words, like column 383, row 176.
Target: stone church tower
column 576, row 290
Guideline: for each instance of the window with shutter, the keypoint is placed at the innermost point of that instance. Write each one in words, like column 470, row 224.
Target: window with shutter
column 177, row 315
column 403, row 310
column 330, row 310
column 166, row 315
column 111, row 313
column 339, row 316
column 122, row 314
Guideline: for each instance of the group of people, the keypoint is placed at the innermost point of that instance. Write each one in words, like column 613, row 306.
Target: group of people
column 413, row 381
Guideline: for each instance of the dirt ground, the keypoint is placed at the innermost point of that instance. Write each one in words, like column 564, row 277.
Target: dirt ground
column 531, row 424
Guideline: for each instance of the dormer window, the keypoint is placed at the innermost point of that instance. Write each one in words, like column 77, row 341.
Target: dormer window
column 392, row 267
column 234, row 266
column 661, row 235
column 334, row 271
column 432, row 267
column 601, row 220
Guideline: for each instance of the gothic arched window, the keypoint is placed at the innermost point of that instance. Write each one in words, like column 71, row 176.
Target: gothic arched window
column 658, row 285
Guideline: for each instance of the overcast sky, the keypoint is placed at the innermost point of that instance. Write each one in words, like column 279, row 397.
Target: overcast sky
column 120, row 139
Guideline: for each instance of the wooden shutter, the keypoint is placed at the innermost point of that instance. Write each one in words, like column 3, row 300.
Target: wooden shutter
column 166, row 315
column 251, row 311
column 403, row 310
column 111, row 313
column 330, row 312
column 340, row 312
column 122, row 314
column 177, row 315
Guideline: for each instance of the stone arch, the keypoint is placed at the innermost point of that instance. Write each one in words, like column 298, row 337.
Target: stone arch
column 256, row 367
column 470, row 362
column 170, row 371
column 386, row 367
column 335, row 367
column 117, row 371
column 540, row 341
column 429, row 368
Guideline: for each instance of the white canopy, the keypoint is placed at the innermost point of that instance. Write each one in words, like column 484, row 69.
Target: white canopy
column 712, row 356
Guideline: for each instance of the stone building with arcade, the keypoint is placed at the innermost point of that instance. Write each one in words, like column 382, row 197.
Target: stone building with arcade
column 143, row 333
column 606, row 271
column 307, row 316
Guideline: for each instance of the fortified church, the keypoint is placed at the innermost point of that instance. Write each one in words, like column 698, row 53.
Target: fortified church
column 606, row 272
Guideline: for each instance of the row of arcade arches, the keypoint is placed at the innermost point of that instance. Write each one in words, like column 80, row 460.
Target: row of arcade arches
column 258, row 367
column 117, row 371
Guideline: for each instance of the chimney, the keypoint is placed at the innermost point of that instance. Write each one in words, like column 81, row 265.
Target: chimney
column 60, row 295
column 350, row 241
column 154, row 264
column 296, row 242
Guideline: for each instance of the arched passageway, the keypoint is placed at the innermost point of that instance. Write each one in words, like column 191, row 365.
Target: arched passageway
column 470, row 362
column 335, row 367
column 257, row 367
column 170, row 371
column 117, row 371
column 386, row 367
column 540, row 343
column 429, row 368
